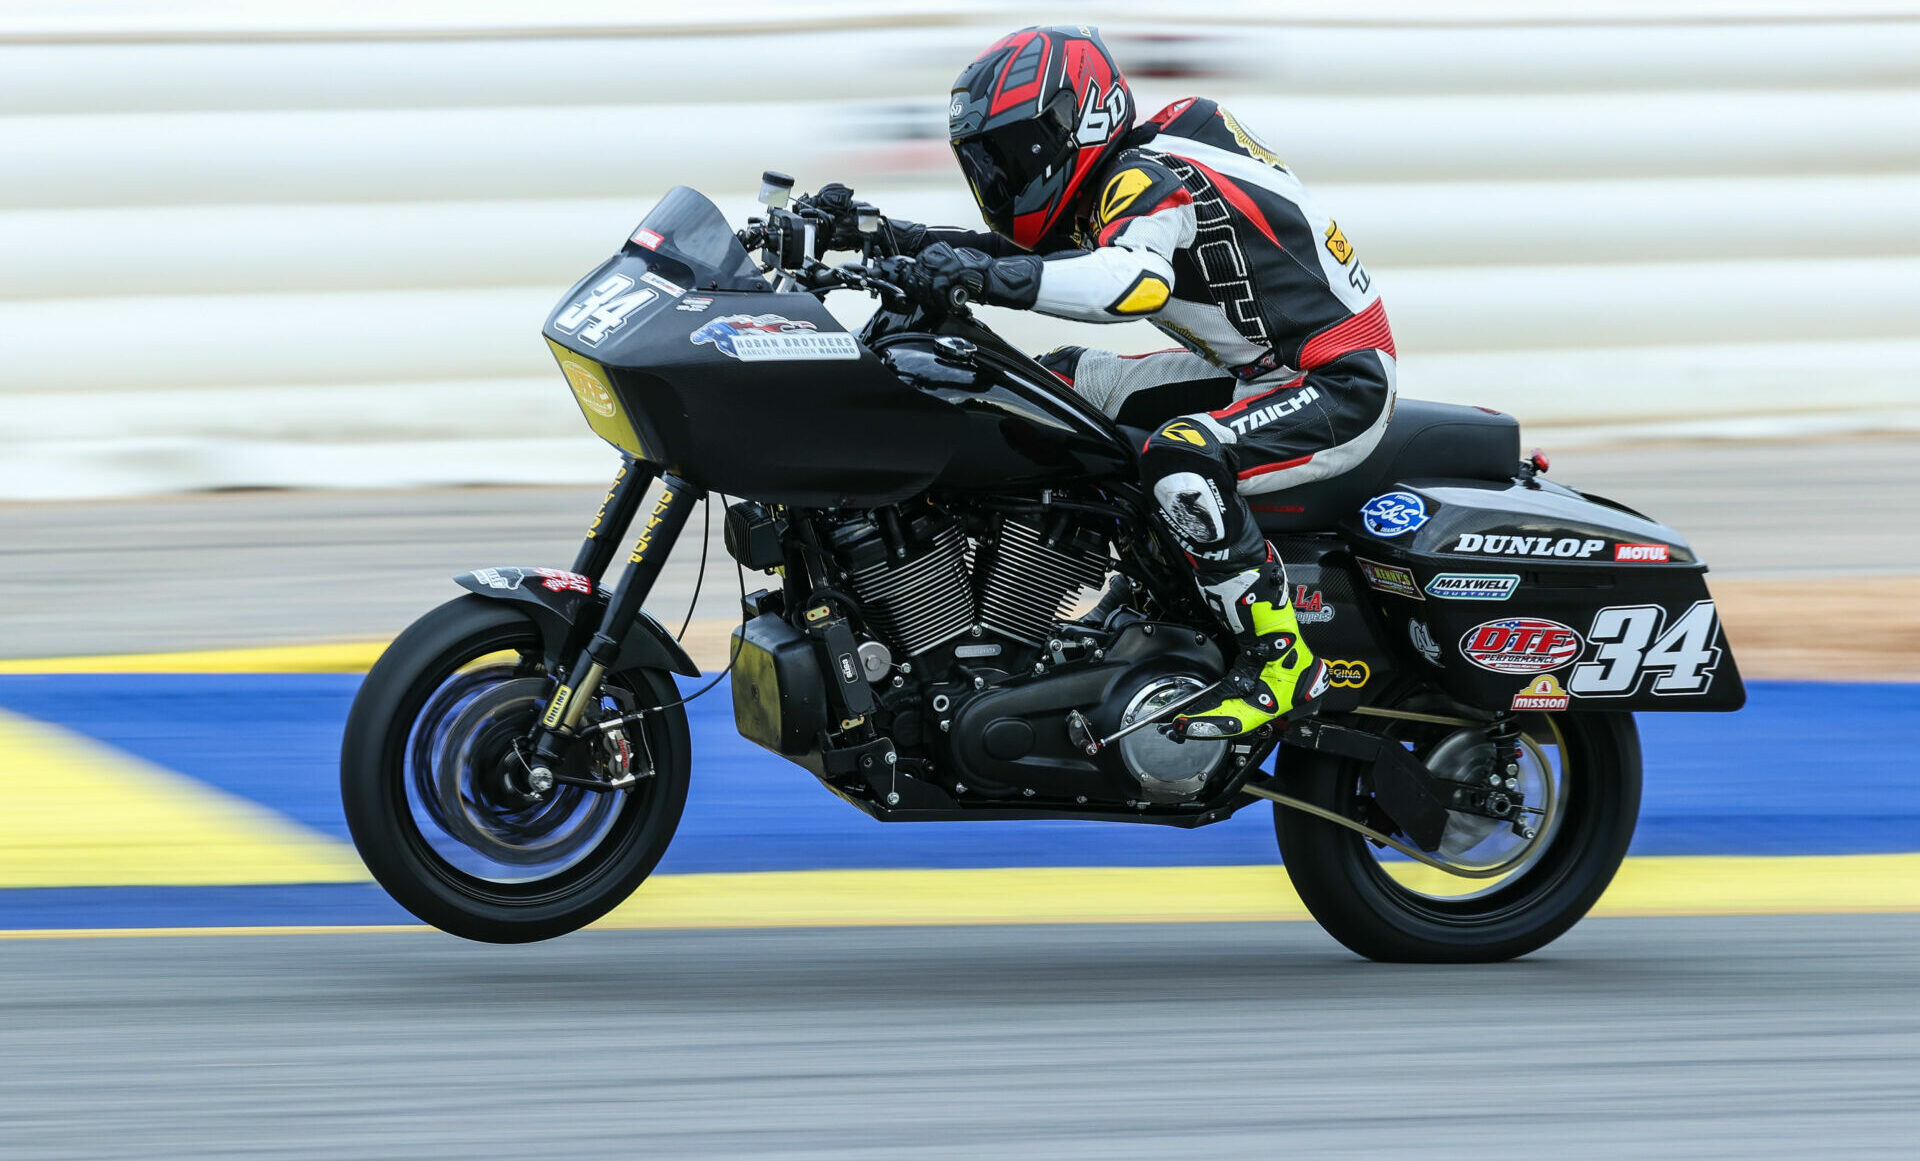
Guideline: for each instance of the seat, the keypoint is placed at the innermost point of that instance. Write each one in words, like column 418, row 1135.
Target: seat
column 1423, row 441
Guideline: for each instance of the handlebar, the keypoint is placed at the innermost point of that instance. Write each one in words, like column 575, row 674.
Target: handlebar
column 783, row 236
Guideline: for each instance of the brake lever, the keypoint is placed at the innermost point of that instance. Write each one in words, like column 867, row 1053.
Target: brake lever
column 857, row 276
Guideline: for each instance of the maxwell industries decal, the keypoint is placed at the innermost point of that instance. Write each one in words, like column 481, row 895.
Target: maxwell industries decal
column 1542, row 695
column 1393, row 514
column 1502, row 544
column 1461, row 586
column 1389, row 578
column 1521, row 645
column 762, row 338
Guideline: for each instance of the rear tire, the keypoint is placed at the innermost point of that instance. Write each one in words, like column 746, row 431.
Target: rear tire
column 512, row 904
column 1348, row 890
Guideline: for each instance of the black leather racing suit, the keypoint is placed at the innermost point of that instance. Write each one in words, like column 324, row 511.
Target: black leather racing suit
column 1285, row 370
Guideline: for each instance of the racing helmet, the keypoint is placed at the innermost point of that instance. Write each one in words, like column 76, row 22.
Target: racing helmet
column 1030, row 120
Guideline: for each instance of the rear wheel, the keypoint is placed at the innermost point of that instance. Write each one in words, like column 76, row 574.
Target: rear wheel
column 427, row 769
column 1580, row 779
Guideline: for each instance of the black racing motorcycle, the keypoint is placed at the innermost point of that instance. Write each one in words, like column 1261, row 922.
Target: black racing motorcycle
column 937, row 512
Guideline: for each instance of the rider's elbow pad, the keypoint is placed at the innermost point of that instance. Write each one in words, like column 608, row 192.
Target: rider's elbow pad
column 1014, row 282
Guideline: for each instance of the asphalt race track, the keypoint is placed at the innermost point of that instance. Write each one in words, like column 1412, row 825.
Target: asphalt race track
column 1781, row 1037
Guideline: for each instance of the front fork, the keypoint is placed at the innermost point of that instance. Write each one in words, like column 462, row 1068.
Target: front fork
column 580, row 681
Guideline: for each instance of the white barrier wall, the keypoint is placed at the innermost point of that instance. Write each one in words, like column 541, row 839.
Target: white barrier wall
column 309, row 246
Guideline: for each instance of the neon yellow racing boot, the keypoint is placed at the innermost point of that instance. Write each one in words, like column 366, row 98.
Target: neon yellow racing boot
column 1275, row 674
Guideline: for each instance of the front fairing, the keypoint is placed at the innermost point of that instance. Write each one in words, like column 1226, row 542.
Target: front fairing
column 679, row 353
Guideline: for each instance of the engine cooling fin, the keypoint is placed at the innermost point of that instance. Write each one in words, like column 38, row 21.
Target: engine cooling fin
column 1028, row 583
column 922, row 602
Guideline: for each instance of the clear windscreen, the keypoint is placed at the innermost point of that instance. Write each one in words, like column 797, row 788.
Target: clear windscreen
column 688, row 230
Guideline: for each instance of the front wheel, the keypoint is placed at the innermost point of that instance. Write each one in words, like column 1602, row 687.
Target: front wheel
column 426, row 779
column 1580, row 773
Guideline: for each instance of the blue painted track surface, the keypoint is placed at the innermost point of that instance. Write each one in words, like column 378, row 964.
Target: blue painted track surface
column 1804, row 769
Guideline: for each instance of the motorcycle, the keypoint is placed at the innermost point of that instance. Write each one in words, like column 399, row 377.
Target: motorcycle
column 936, row 511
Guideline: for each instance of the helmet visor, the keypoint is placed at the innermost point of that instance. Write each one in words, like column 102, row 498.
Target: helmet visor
column 1010, row 166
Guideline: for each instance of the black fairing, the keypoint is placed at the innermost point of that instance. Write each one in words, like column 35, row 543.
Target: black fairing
column 1593, row 569
column 833, row 426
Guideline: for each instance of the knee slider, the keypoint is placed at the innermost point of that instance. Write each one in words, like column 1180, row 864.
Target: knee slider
column 1185, row 437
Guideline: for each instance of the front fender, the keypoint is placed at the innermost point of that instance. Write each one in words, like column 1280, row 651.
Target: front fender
column 566, row 608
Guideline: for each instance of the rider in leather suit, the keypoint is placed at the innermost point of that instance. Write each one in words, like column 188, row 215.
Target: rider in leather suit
column 1285, row 370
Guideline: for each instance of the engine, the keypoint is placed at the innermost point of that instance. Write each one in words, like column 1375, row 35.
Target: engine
column 950, row 662
column 923, row 582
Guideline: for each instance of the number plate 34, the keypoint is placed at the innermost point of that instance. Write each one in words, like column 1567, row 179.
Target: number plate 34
column 1635, row 643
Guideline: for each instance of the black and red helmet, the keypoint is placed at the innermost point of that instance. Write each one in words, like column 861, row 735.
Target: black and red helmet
column 1030, row 119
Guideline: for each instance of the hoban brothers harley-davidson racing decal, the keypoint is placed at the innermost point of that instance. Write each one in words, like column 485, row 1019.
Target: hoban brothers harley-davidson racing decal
column 756, row 338
column 1626, row 647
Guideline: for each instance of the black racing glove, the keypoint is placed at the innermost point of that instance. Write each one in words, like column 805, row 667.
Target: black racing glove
column 896, row 236
column 942, row 269
column 843, row 215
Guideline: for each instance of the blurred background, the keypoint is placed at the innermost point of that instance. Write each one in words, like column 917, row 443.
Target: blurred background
column 272, row 277
column 311, row 244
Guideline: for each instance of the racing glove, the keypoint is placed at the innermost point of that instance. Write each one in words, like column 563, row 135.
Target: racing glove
column 897, row 236
column 843, row 213
column 941, row 269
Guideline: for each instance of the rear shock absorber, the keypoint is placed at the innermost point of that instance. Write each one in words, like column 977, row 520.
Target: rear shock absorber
column 1503, row 789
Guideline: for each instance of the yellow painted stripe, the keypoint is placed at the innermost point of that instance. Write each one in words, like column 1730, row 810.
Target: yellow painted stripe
column 1681, row 885
column 1669, row 886
column 957, row 898
column 340, row 657
column 81, row 814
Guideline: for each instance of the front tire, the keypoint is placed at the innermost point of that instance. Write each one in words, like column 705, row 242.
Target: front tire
column 1369, row 903
column 459, row 684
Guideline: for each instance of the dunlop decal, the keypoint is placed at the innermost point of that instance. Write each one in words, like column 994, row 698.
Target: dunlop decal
column 646, row 534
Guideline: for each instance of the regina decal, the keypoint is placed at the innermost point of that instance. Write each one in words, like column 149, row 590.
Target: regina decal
column 1348, row 674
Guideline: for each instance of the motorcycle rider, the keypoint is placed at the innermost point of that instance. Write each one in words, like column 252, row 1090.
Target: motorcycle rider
column 1285, row 372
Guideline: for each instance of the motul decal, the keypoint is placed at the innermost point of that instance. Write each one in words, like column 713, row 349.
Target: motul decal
column 1641, row 553
column 1521, row 645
